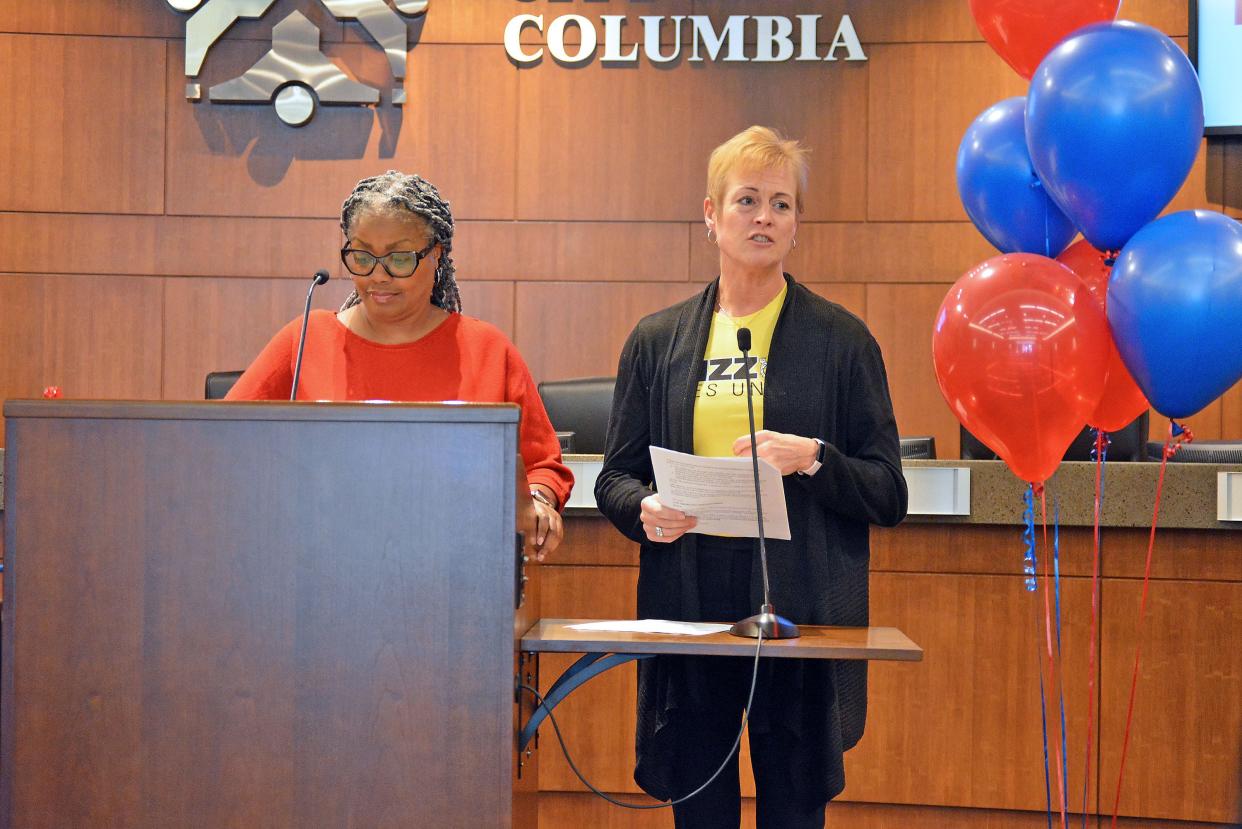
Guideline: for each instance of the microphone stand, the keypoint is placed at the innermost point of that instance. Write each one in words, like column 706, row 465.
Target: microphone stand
column 318, row 279
column 765, row 621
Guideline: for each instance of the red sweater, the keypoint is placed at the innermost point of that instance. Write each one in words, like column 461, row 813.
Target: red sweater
column 462, row 359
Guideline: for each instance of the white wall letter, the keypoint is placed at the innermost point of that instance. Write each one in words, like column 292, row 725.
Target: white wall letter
column 809, row 34
column 772, row 31
column 556, row 39
column 847, row 39
column 651, row 38
column 613, row 24
column 702, row 32
column 513, row 38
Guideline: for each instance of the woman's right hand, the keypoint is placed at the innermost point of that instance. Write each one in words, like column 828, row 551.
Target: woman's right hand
column 664, row 524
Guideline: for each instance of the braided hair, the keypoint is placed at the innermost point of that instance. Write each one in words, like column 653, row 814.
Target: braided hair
column 395, row 191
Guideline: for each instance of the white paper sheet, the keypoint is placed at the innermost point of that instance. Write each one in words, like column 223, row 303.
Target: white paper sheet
column 653, row 626
column 720, row 492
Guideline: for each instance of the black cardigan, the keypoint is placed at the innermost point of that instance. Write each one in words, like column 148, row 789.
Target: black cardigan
column 825, row 378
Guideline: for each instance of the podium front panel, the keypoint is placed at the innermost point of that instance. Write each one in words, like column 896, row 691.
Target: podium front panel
column 258, row 615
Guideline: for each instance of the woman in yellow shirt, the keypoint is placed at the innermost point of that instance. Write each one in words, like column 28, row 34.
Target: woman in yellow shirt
column 826, row 422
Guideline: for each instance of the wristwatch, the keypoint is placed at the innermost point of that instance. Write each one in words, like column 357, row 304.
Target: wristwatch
column 819, row 459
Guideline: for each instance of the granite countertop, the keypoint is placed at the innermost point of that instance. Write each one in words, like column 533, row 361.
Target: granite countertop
column 1188, row 499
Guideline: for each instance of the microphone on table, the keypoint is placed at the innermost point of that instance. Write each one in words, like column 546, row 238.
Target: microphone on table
column 320, row 277
column 766, row 621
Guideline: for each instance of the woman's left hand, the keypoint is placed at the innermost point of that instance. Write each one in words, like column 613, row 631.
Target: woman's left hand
column 549, row 530
column 788, row 453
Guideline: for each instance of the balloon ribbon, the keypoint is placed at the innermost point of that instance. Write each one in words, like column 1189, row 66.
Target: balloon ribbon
column 1177, row 437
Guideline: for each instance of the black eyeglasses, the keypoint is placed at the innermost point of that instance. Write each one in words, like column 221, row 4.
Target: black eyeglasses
column 398, row 263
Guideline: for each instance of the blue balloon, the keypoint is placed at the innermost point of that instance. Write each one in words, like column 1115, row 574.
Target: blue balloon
column 999, row 188
column 1114, row 119
column 1175, row 308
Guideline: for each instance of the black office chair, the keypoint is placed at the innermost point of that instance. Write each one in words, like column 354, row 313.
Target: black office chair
column 1200, row 451
column 218, row 384
column 1127, row 444
column 580, row 406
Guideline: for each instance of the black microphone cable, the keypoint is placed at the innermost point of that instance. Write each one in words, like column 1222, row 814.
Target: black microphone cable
column 320, row 277
column 737, row 741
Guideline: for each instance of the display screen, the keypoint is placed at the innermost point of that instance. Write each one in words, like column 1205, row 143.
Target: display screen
column 1216, row 49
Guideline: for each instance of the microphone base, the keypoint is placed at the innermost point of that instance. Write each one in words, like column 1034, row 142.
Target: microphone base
column 773, row 626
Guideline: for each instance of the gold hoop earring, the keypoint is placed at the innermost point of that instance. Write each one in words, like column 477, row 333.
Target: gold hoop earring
column 795, row 243
column 709, row 236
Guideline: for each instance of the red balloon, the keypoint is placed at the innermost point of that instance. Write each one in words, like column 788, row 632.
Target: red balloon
column 1123, row 400
column 1020, row 351
column 1023, row 31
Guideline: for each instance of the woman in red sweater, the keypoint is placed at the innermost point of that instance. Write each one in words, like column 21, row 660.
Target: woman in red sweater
column 401, row 334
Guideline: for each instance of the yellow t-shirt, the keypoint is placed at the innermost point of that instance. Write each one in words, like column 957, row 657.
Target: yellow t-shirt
column 720, row 400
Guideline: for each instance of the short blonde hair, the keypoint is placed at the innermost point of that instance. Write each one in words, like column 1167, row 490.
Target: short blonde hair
column 760, row 148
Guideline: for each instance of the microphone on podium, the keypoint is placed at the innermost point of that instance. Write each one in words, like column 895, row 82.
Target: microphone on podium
column 320, row 277
column 766, row 622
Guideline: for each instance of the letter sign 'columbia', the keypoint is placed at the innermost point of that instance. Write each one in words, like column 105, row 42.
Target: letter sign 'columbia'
column 295, row 76
column 775, row 39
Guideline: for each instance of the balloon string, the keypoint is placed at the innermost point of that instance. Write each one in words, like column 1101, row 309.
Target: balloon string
column 1178, row 435
column 1099, row 453
column 1053, row 677
column 1029, row 567
column 1056, row 570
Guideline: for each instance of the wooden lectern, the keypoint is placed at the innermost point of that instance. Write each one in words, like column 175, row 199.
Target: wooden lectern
column 279, row 615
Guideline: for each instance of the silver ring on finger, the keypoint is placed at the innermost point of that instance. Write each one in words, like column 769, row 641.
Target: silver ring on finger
column 659, row 532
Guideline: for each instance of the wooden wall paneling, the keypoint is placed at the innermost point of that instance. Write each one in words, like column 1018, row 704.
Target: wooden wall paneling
column 573, row 810
column 592, row 539
column 922, row 98
column 94, row 336
column 83, row 124
column 1200, row 555
column 867, row 251
column 457, row 130
column 1169, row 16
column 572, row 251
column 963, row 725
column 902, row 317
column 489, row 301
column 169, row 245
column 587, row 342
column 116, row 18
column 598, row 719
column 640, row 151
column 976, row 549
column 1185, row 753
column 222, row 324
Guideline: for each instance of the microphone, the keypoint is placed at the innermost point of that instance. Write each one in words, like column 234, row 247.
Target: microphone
column 320, row 277
column 766, row 622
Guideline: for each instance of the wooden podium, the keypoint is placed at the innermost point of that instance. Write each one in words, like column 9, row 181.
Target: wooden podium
column 279, row 615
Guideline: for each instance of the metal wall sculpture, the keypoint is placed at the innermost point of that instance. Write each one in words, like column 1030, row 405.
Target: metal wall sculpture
column 295, row 75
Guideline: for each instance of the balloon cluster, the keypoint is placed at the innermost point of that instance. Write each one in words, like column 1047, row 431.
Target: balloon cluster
column 1031, row 345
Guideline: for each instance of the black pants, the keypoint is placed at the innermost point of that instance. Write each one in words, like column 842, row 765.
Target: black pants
column 707, row 733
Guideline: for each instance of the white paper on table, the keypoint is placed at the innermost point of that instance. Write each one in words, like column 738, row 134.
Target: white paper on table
column 720, row 492
column 653, row 626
